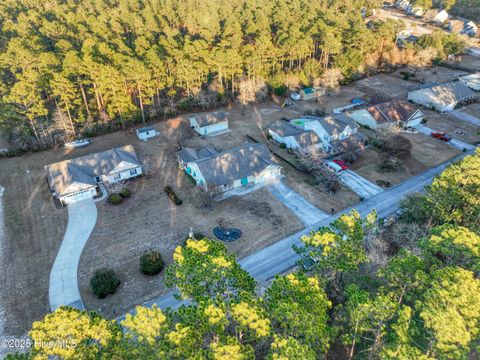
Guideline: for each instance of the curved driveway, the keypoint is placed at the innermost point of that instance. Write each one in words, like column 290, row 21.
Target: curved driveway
column 63, row 287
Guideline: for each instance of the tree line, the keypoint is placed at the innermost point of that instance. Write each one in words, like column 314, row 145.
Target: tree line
column 69, row 67
column 417, row 299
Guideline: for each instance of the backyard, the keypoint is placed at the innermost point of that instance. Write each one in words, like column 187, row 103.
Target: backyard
column 457, row 128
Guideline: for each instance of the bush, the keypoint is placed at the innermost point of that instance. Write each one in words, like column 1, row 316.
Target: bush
column 173, row 196
column 283, row 146
column 423, row 121
column 151, row 263
column 115, row 199
column 104, row 282
column 125, row 193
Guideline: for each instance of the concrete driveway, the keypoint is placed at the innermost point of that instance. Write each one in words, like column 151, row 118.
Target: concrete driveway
column 454, row 142
column 63, row 287
column 465, row 117
column 360, row 185
column 306, row 212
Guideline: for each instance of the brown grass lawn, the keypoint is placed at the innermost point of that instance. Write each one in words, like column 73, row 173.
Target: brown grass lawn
column 457, row 128
column 426, row 153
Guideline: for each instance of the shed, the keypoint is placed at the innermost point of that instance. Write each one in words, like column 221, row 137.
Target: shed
column 308, row 93
column 210, row 123
column 147, row 133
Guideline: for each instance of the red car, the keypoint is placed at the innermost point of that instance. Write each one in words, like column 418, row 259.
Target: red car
column 341, row 163
column 441, row 135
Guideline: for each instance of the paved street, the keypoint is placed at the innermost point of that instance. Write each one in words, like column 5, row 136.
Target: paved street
column 360, row 185
column 279, row 257
column 465, row 117
column 306, row 212
column 454, row 142
column 63, row 286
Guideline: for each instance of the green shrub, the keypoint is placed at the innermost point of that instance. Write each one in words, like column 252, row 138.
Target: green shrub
column 115, row 199
column 125, row 193
column 104, row 282
column 151, row 263
column 283, row 146
column 173, row 196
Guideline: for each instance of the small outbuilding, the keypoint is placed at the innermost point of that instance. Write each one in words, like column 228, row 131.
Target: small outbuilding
column 308, row 93
column 438, row 16
column 147, row 133
column 443, row 97
column 472, row 81
column 214, row 123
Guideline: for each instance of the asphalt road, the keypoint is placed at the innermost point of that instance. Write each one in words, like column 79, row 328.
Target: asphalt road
column 465, row 117
column 279, row 257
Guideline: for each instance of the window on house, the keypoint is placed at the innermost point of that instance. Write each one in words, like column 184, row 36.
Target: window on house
column 117, row 177
column 133, row 172
column 97, row 178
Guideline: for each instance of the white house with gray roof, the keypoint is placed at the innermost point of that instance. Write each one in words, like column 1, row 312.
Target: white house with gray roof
column 77, row 179
column 292, row 136
column 472, row 81
column 209, row 123
column 330, row 129
column 147, row 133
column 442, row 98
column 219, row 171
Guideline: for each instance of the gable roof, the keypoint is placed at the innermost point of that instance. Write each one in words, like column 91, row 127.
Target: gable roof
column 336, row 124
column 210, row 118
column 307, row 139
column 284, row 129
column 235, row 163
column 191, row 155
column 145, row 129
column 392, row 111
column 453, row 92
column 472, row 79
column 76, row 174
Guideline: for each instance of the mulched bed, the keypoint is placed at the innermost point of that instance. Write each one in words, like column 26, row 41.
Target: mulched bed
column 227, row 235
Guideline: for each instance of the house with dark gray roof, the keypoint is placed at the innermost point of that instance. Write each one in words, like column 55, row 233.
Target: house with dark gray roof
column 443, row 97
column 472, row 81
column 395, row 112
column 77, row 179
column 328, row 128
column 209, row 123
column 219, row 171
column 292, row 136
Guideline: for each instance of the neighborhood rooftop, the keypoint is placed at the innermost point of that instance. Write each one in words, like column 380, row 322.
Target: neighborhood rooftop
column 392, row 111
column 72, row 175
column 449, row 92
column 284, row 129
column 210, row 118
column 336, row 124
column 235, row 163
column 146, row 129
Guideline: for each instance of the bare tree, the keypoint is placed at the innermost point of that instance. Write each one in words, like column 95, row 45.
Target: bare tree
column 205, row 197
column 327, row 180
column 331, row 78
column 249, row 90
column 311, row 159
column 147, row 164
column 116, row 187
column 350, row 148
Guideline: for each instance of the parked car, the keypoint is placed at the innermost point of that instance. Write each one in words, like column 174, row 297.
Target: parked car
column 77, row 144
column 333, row 167
column 441, row 135
column 341, row 163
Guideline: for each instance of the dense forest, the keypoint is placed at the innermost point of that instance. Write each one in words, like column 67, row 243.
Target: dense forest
column 469, row 9
column 376, row 289
column 73, row 68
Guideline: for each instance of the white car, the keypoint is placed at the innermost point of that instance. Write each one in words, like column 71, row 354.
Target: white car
column 77, row 144
column 335, row 168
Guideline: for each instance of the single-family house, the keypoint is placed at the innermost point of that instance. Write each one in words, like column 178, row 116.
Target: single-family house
column 402, row 5
column 147, row 133
column 219, row 171
column 435, row 15
column 292, row 136
column 470, row 28
column 472, row 81
column 211, row 123
column 443, row 97
column 328, row 128
column 399, row 112
column 78, row 179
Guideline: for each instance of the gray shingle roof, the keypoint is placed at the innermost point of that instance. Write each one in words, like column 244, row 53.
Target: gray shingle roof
column 145, row 129
column 392, row 111
column 284, row 129
column 307, row 139
column 453, row 92
column 76, row 174
column 210, row 118
column 336, row 124
column 235, row 163
column 192, row 155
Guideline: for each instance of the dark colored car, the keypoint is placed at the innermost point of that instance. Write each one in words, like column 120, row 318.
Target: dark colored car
column 441, row 135
column 341, row 163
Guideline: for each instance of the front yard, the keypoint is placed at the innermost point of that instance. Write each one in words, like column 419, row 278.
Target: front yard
column 426, row 153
